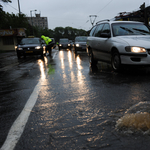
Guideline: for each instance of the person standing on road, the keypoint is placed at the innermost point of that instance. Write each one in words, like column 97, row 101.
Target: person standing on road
column 48, row 42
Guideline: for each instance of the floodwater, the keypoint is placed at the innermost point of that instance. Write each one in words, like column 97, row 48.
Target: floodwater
column 79, row 107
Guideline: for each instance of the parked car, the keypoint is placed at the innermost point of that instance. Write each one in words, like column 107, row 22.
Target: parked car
column 80, row 43
column 30, row 46
column 119, row 43
column 64, row 43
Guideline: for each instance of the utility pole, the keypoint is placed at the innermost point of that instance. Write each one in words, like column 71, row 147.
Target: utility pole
column 19, row 7
column 92, row 22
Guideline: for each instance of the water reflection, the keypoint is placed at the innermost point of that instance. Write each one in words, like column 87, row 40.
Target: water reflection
column 70, row 59
column 41, row 65
column 61, row 55
column 45, row 60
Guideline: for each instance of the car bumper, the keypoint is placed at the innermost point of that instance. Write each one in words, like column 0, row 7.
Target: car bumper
column 64, row 46
column 30, row 52
column 135, row 60
column 82, row 48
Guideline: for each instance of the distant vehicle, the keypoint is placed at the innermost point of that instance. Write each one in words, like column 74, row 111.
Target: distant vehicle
column 30, row 46
column 80, row 43
column 71, row 43
column 64, row 43
column 119, row 43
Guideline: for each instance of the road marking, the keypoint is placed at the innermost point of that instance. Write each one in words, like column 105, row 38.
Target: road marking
column 18, row 126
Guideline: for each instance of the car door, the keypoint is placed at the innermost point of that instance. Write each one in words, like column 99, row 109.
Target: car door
column 104, row 44
column 95, row 40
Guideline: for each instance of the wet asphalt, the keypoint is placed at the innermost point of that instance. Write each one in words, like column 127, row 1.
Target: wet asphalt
column 77, row 107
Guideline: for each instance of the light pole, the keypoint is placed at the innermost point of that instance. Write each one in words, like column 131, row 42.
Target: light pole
column 19, row 7
column 32, row 20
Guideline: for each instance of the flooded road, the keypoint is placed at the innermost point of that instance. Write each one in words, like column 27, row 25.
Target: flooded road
column 77, row 106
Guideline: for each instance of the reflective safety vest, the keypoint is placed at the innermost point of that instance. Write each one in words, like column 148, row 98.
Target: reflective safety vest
column 46, row 39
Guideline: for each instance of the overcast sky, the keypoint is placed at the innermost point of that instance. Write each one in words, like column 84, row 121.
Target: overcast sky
column 74, row 13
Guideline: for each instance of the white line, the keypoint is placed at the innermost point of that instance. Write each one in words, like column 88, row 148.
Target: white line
column 18, row 126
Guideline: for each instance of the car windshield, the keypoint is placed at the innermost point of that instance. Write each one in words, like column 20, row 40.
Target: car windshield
column 30, row 41
column 121, row 29
column 81, row 39
column 64, row 41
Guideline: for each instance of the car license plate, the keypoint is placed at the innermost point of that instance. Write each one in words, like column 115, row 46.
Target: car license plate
column 29, row 51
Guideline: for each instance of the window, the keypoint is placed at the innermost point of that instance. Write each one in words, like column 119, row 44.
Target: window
column 106, row 28
column 120, row 29
column 98, row 30
column 92, row 31
column 8, row 41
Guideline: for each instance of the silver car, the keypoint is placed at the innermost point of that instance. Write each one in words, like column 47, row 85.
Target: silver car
column 119, row 43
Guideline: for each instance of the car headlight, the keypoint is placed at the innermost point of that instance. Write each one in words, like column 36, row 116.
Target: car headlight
column 60, row 44
column 68, row 44
column 19, row 48
column 135, row 49
column 38, row 47
column 77, row 45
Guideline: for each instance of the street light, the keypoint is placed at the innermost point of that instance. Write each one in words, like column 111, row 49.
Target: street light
column 19, row 7
column 32, row 20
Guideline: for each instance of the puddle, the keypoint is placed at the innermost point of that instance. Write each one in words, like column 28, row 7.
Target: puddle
column 136, row 118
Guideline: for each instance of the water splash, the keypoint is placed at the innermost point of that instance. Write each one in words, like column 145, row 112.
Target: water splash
column 136, row 118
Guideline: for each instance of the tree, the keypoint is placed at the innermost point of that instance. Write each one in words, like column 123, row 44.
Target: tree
column 5, row 1
column 13, row 21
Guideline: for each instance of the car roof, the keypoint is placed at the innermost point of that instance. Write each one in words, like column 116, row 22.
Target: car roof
column 63, row 38
column 81, row 36
column 113, row 21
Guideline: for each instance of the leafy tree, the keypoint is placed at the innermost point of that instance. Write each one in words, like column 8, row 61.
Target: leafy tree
column 5, row 1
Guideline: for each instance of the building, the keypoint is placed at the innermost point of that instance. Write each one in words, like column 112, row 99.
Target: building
column 141, row 15
column 38, row 21
column 10, row 37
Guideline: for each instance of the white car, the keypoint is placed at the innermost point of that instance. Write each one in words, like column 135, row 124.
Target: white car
column 119, row 43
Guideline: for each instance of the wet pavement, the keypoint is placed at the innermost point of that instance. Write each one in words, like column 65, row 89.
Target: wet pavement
column 77, row 107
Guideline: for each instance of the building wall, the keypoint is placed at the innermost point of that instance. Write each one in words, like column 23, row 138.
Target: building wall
column 10, row 37
column 38, row 21
column 7, row 47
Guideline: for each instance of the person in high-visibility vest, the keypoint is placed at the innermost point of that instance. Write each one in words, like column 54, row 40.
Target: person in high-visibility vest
column 48, row 43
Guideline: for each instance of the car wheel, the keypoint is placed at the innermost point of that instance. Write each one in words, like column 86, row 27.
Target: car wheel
column 115, row 61
column 93, row 62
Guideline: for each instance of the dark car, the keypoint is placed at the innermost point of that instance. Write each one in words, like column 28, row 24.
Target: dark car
column 80, row 43
column 30, row 46
column 64, row 43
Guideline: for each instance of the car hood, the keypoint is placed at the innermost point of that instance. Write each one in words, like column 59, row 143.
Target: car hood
column 63, row 42
column 29, row 45
column 83, row 43
column 141, row 41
